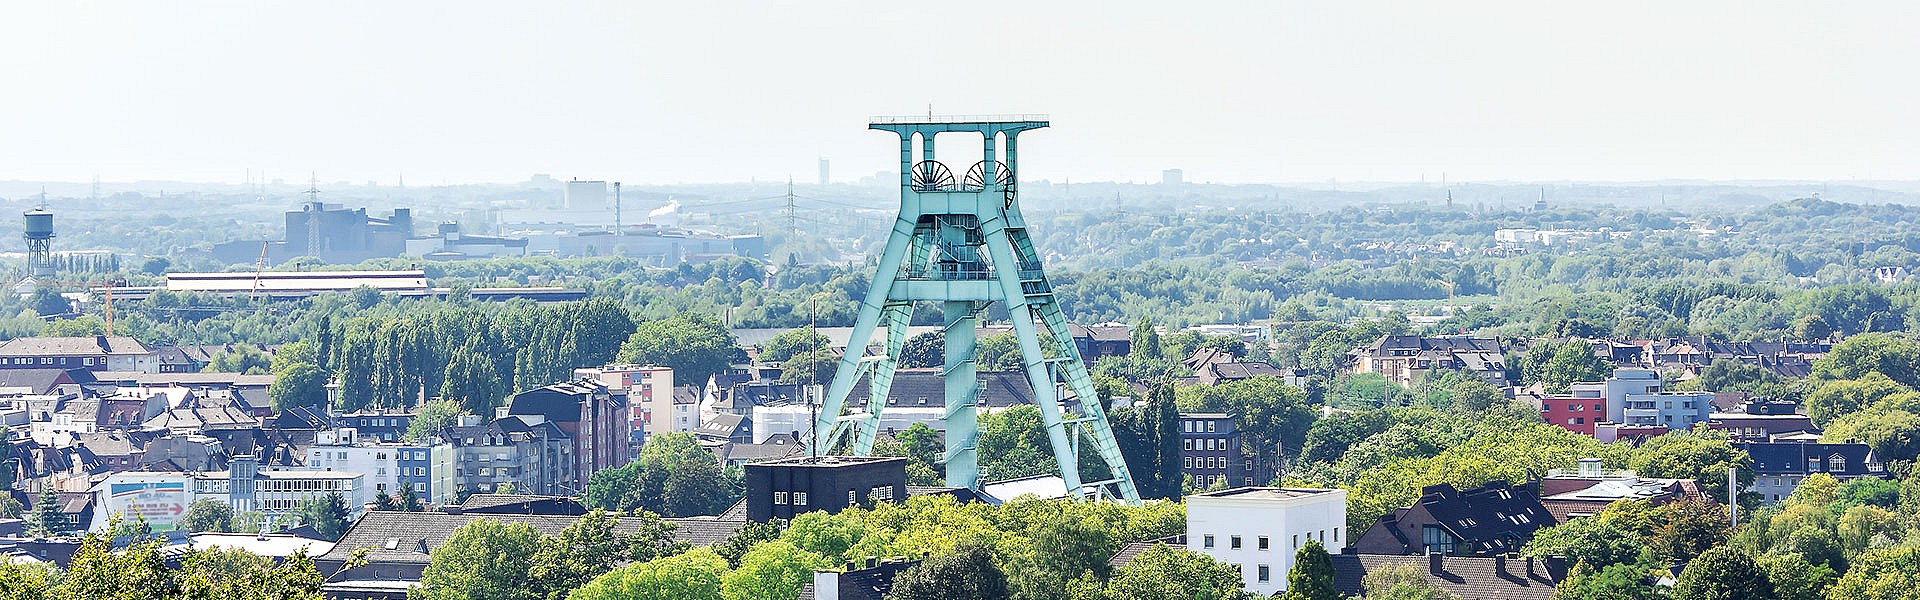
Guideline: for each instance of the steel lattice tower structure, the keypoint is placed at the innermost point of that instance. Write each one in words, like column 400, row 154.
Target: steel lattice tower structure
column 964, row 244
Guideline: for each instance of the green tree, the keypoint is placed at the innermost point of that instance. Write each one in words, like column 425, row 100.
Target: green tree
column 695, row 346
column 1476, row 396
column 736, row 546
column 794, row 342
column 775, row 569
column 1592, row 543
column 1795, row 579
column 46, row 302
column 967, row 573
column 1689, row 455
column 1622, row 581
column 696, row 575
column 299, row 385
column 672, row 475
column 1841, row 397
column 482, row 560
column 327, row 514
column 1880, row 574
column 1312, row 574
column 1167, row 572
column 1896, row 358
column 1723, row 573
column 432, row 419
column 243, row 358
column 592, row 545
column 48, row 518
column 472, row 379
column 923, row 350
column 1573, row 362
column 207, row 514
column 1145, row 341
column 1684, row 529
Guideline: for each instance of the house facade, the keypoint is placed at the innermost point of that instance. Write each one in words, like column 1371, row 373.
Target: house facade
column 1258, row 530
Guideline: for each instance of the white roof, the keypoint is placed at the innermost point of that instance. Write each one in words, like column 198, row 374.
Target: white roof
column 296, row 281
column 274, row 545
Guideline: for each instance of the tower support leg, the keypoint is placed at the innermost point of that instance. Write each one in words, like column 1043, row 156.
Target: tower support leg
column 962, row 395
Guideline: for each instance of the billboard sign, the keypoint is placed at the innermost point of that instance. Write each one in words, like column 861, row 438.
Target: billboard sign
column 161, row 503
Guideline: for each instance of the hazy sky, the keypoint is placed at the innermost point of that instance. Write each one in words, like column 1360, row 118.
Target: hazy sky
column 656, row 92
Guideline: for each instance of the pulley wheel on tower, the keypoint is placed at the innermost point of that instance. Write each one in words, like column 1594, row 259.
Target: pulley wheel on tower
column 931, row 176
column 977, row 175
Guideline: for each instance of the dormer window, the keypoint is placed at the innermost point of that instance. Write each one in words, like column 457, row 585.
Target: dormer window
column 1837, row 463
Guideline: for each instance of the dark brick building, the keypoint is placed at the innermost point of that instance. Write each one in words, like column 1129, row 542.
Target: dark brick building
column 1210, row 450
column 781, row 489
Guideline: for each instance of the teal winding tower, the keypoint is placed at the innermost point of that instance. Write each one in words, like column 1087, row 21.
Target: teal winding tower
column 961, row 242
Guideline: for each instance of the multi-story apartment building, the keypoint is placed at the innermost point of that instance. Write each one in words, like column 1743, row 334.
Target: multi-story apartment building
column 594, row 421
column 162, row 497
column 533, row 455
column 1210, row 451
column 1404, row 359
column 388, row 467
column 651, row 406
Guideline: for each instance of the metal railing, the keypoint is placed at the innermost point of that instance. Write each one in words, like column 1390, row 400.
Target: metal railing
column 953, row 119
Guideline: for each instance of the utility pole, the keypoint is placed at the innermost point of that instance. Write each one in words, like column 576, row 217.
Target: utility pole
column 1733, row 497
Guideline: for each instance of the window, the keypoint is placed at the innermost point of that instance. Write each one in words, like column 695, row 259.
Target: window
column 1813, row 465
column 1437, row 540
column 852, row 498
column 1266, row 573
column 1336, row 534
column 779, row 497
column 1323, row 536
column 1262, row 543
column 1189, row 461
column 1187, row 426
column 1210, row 426
column 1296, row 541
column 799, row 498
column 1836, row 463
column 1207, row 541
column 1189, row 444
column 1233, row 542
column 884, row 492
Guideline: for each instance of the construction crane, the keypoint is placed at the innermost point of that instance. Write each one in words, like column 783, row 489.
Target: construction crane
column 105, row 289
column 259, row 268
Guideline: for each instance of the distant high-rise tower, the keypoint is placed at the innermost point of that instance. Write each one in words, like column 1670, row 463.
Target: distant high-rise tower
column 961, row 242
column 825, row 172
column 586, row 195
column 1172, row 177
column 39, row 236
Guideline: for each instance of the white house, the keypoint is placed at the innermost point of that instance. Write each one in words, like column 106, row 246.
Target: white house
column 1259, row 529
column 161, row 498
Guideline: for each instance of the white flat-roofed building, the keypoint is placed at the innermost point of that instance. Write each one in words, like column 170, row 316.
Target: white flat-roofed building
column 162, row 498
column 1258, row 529
column 297, row 281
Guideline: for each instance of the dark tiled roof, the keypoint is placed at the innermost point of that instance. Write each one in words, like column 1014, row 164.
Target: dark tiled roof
column 723, row 425
column 1002, row 389
column 1130, row 551
column 1789, row 458
column 71, row 346
column 1478, row 578
column 41, row 381
column 557, row 402
column 522, row 504
column 397, row 537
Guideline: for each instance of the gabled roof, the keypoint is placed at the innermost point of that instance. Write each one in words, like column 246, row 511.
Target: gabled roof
column 1789, row 458
column 521, row 504
column 1490, row 519
column 399, row 537
column 38, row 381
column 557, row 402
column 723, row 425
column 1482, row 578
column 72, row 346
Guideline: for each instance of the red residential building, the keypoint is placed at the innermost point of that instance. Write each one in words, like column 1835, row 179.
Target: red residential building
column 1578, row 415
